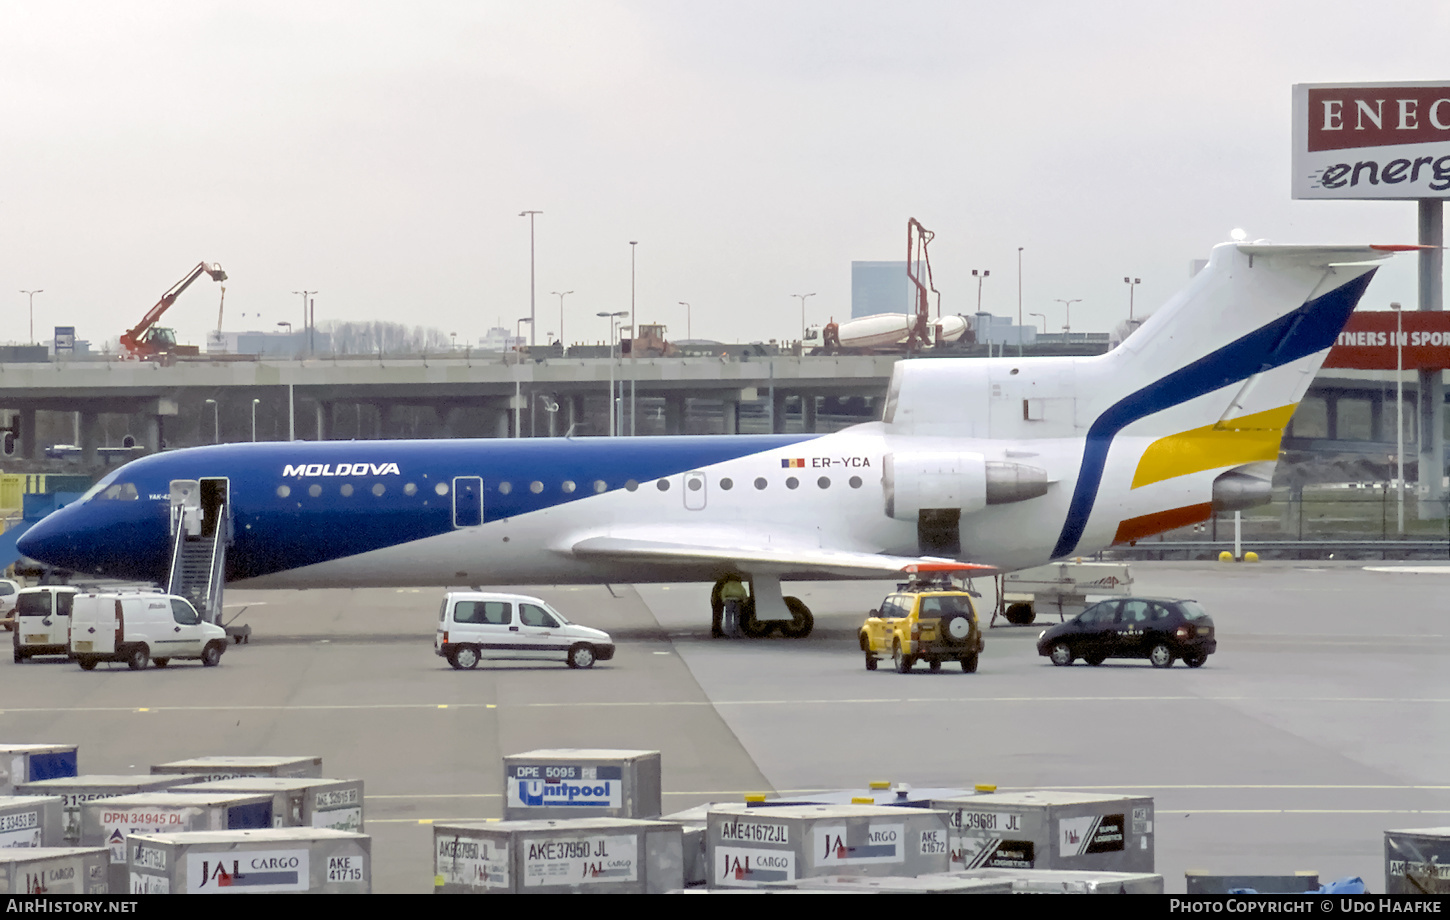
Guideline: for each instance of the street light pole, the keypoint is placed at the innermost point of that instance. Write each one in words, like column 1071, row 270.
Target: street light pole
column 530, row 215
column 980, row 278
column 216, row 422
column 1067, row 306
column 1131, row 283
column 254, row 419
column 803, row 315
column 1019, row 300
column 560, row 295
column 306, row 323
column 32, row 311
column 1400, row 421
column 612, row 340
column 1043, row 316
column 633, row 337
column 688, row 334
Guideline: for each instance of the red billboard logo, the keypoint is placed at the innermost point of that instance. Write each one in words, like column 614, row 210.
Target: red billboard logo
column 1340, row 118
column 1368, row 341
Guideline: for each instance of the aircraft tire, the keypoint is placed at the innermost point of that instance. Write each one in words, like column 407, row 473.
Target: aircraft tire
column 717, row 611
column 803, row 622
column 1020, row 614
column 750, row 627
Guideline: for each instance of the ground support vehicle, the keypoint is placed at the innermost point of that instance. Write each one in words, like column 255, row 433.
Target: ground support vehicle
column 42, row 621
column 1162, row 630
column 9, row 588
column 931, row 622
column 1059, row 587
column 141, row 627
column 473, row 626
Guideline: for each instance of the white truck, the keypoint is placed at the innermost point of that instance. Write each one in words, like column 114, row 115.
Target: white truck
column 140, row 627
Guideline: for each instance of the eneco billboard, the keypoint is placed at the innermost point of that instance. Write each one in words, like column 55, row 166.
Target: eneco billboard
column 1372, row 140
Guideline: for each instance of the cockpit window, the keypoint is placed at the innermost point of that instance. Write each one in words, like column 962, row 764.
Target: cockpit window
column 119, row 491
column 104, row 482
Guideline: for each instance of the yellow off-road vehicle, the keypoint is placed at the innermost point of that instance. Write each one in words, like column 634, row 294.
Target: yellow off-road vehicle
column 923, row 622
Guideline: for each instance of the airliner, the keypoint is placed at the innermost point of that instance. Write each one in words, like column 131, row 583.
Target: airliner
column 1000, row 463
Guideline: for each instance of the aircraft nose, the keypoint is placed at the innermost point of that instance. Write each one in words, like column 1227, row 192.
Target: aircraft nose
column 43, row 541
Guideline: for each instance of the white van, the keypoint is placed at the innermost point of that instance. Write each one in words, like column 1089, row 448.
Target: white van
column 473, row 626
column 141, row 627
column 8, row 589
column 42, row 621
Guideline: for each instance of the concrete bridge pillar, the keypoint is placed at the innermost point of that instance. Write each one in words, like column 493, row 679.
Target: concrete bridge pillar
column 150, row 432
column 90, row 437
column 324, row 420
column 576, row 413
column 730, row 414
column 28, row 448
column 808, row 413
column 777, row 412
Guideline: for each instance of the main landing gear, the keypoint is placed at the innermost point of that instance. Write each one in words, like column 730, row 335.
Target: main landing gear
column 764, row 612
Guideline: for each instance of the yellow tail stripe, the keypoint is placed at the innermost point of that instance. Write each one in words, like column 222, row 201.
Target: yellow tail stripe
column 1241, row 440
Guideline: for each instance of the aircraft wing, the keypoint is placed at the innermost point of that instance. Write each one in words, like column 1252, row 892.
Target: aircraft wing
column 745, row 550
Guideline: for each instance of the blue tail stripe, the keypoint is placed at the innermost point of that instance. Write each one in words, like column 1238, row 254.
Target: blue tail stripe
column 1309, row 329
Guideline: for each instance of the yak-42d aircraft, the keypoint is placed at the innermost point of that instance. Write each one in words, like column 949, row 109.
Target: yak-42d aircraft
column 1003, row 462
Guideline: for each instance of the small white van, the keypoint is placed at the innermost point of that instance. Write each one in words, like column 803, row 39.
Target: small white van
column 473, row 626
column 42, row 621
column 141, row 627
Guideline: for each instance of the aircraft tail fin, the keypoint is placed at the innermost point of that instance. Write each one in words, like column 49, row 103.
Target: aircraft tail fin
column 1259, row 319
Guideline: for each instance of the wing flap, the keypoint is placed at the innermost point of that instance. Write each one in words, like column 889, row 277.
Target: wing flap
column 749, row 554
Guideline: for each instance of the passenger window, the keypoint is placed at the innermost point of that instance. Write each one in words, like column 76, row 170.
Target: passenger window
column 497, row 613
column 467, row 612
column 531, row 615
column 931, row 607
column 33, row 605
column 63, row 602
column 1099, row 615
column 1133, row 613
column 183, row 613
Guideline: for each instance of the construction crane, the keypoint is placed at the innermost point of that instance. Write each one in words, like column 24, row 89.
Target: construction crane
column 146, row 340
column 895, row 333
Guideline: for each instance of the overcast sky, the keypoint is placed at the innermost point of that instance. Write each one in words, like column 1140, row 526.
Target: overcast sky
column 380, row 153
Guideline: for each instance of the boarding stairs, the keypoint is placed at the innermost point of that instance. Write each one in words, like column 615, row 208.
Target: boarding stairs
column 200, row 532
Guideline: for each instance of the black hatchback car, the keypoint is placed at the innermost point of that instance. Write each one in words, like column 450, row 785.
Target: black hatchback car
column 1159, row 629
